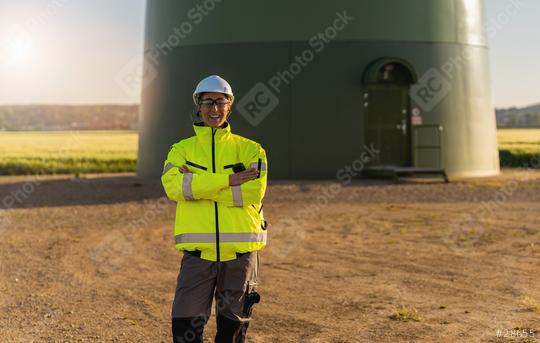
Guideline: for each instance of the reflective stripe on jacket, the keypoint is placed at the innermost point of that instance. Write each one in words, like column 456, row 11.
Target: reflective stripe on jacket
column 211, row 216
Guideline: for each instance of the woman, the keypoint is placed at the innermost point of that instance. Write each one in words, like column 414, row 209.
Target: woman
column 218, row 180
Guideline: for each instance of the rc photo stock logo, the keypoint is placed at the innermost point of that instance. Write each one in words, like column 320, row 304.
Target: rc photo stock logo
column 430, row 90
column 258, row 103
column 136, row 75
column 262, row 98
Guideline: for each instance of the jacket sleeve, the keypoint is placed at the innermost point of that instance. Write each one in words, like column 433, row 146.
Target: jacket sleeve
column 189, row 186
column 251, row 192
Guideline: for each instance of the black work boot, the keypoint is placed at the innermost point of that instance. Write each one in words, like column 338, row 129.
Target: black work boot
column 230, row 331
column 188, row 330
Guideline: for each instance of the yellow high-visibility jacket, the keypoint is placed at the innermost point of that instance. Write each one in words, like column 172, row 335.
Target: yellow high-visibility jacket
column 217, row 219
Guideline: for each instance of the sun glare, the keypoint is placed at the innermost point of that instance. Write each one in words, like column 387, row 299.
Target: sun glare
column 19, row 50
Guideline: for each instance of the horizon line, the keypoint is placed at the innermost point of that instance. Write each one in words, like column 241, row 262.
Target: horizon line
column 139, row 104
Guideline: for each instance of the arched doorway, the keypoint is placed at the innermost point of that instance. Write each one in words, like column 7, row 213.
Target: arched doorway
column 387, row 110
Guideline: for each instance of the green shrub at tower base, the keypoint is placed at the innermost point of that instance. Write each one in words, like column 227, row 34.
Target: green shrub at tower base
column 519, row 159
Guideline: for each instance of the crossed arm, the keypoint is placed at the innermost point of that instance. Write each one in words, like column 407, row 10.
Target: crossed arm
column 239, row 189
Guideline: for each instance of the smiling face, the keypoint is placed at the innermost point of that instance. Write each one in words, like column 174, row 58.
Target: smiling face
column 214, row 108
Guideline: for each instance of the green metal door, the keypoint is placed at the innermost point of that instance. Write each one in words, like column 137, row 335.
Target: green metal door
column 387, row 124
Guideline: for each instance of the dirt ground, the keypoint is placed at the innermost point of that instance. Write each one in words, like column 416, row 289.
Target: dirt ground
column 92, row 260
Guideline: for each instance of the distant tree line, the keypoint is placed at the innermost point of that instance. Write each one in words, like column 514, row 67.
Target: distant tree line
column 125, row 117
column 61, row 117
column 526, row 117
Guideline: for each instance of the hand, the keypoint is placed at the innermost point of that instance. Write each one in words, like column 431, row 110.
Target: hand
column 243, row 176
column 184, row 169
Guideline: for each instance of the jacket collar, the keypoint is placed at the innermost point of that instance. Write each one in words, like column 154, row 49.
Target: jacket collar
column 205, row 132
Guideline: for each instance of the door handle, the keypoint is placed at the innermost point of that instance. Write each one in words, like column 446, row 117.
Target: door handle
column 402, row 127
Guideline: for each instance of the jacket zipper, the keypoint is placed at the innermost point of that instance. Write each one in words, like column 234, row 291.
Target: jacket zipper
column 215, row 203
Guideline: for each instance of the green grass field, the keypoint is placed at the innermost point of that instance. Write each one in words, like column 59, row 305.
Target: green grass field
column 517, row 147
column 61, row 152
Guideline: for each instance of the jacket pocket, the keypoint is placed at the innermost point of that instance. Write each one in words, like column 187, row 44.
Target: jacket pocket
column 189, row 163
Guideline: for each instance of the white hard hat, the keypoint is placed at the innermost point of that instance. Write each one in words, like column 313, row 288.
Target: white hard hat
column 215, row 84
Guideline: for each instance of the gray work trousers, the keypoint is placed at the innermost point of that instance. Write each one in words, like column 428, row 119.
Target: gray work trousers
column 232, row 283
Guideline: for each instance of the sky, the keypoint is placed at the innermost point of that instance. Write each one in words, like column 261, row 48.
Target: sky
column 71, row 51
